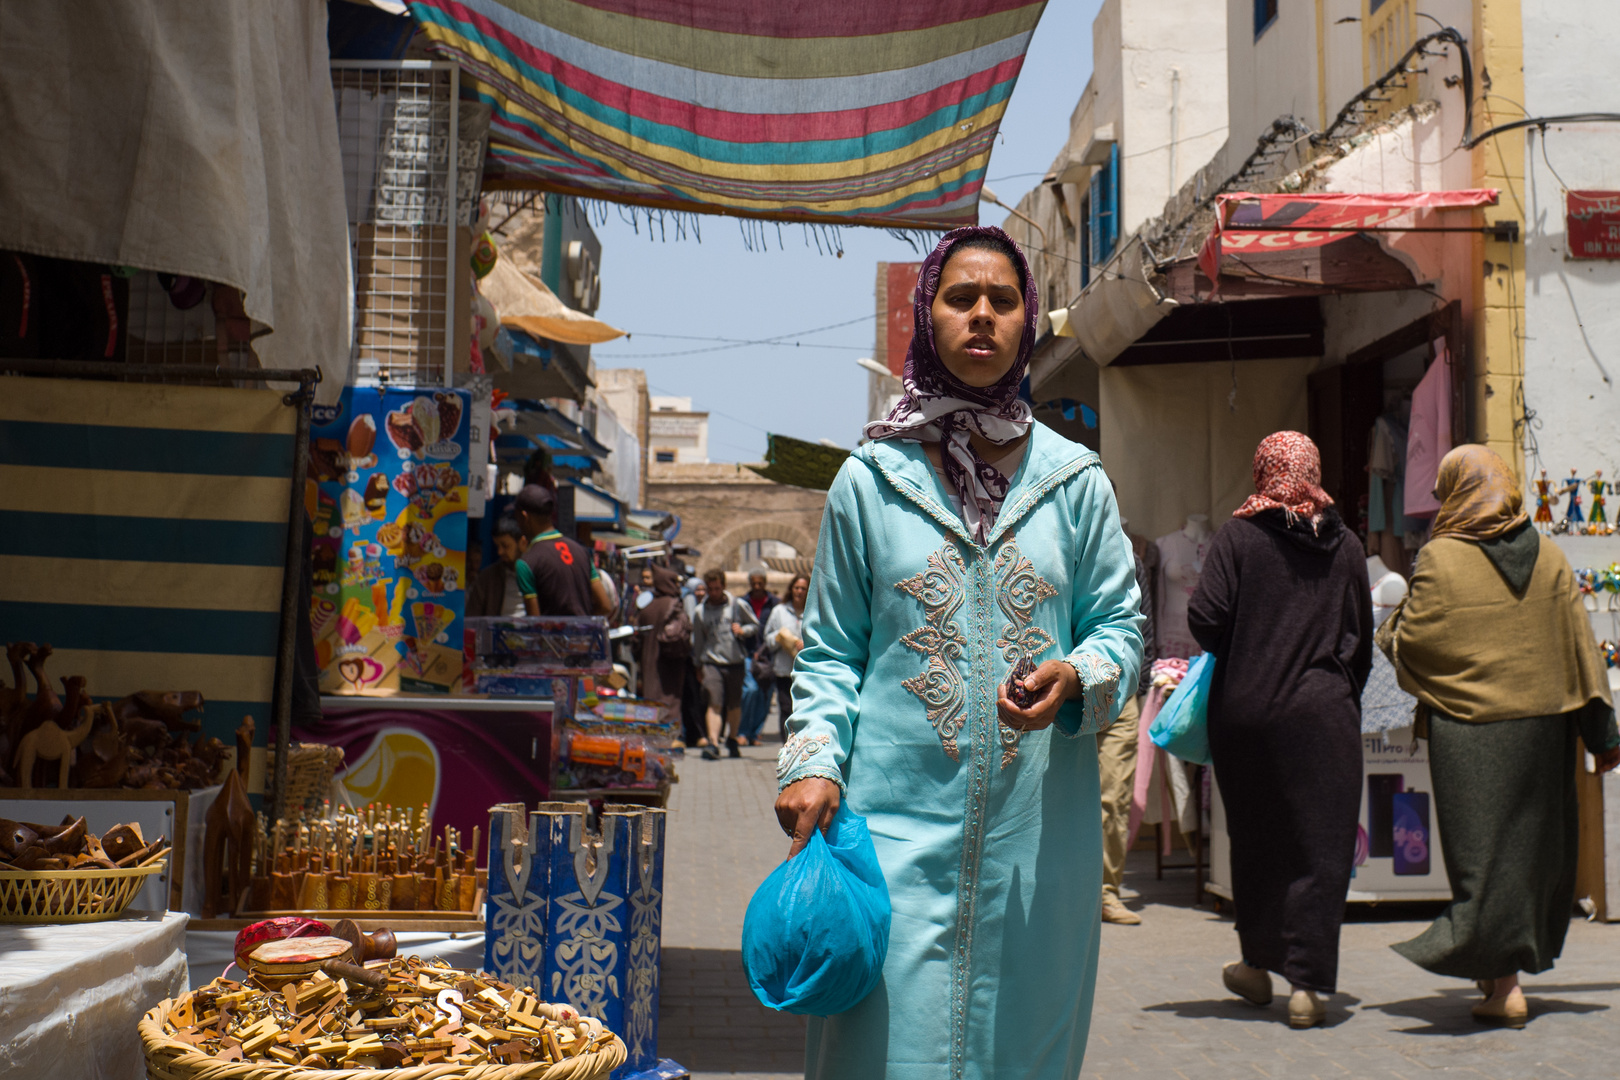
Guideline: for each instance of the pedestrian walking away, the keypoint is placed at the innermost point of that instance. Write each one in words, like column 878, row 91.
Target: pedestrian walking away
column 721, row 635
column 760, row 671
column 962, row 545
column 784, row 634
column 1495, row 645
column 666, row 643
column 1116, row 769
column 1285, row 608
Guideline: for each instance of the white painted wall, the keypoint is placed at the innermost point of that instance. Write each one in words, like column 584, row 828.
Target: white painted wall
column 1168, row 56
column 1137, row 45
column 1270, row 75
column 673, row 425
column 1276, row 74
column 1572, row 307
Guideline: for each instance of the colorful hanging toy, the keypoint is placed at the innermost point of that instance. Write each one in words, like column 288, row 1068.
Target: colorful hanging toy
column 1572, row 488
column 1544, row 518
column 483, row 257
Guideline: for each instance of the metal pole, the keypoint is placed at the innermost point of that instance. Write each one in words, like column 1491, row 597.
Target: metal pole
column 98, row 369
column 286, row 646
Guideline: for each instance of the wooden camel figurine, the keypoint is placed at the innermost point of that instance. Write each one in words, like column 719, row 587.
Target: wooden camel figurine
column 46, row 705
column 48, row 742
column 13, row 699
column 230, row 820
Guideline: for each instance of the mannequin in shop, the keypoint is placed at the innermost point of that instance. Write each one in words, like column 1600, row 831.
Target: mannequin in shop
column 1386, row 480
column 1384, row 705
column 1163, row 791
column 1388, row 588
column 1181, row 562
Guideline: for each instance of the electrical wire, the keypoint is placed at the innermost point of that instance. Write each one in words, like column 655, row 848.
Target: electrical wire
column 1542, row 121
column 1543, row 144
column 713, row 412
column 779, row 340
column 725, row 348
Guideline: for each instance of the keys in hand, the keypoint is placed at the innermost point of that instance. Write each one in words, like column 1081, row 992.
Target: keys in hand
column 1015, row 683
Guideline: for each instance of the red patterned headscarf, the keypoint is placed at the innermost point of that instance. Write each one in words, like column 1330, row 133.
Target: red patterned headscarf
column 1287, row 477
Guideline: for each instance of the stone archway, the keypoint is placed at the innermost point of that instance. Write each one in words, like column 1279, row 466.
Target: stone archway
column 724, row 506
column 724, row 548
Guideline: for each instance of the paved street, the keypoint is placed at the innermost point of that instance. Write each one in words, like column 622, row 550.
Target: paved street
column 1161, row 1010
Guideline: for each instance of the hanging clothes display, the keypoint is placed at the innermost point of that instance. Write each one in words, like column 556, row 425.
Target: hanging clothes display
column 1429, row 437
column 1162, row 792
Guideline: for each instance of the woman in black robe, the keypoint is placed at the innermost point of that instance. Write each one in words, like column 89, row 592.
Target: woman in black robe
column 1285, row 608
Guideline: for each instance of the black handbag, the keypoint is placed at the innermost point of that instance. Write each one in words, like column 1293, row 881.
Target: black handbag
column 764, row 664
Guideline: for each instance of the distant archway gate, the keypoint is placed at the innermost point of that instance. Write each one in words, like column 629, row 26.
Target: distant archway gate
column 725, row 552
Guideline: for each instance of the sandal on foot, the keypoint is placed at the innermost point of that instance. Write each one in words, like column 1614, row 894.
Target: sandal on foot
column 1510, row 1010
column 1251, row 984
column 1305, row 1010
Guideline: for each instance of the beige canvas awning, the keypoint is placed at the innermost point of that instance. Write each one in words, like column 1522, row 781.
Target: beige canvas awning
column 1117, row 309
column 524, row 303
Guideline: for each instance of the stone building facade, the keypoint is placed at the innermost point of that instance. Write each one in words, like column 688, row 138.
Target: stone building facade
column 723, row 506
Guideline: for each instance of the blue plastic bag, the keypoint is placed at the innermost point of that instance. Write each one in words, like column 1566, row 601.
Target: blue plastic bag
column 1182, row 726
column 817, row 930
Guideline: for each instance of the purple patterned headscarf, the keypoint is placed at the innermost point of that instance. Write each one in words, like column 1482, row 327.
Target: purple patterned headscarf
column 937, row 406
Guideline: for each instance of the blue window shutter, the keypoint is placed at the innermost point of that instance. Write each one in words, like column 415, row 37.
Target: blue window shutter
column 1111, row 225
column 1094, row 220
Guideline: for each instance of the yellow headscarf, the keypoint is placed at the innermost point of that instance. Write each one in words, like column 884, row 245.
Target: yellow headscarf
column 1479, row 497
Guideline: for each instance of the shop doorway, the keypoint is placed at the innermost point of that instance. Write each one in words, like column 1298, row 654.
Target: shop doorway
column 1347, row 400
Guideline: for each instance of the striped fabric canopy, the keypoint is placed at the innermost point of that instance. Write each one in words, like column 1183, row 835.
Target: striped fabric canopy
column 143, row 532
column 845, row 112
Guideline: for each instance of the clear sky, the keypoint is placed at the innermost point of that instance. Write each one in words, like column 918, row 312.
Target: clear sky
column 719, row 289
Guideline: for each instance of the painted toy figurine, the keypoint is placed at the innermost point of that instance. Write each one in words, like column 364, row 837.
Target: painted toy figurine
column 1572, row 488
column 1544, row 518
column 1597, row 486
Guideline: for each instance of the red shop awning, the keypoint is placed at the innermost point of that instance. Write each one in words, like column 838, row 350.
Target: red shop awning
column 1245, row 221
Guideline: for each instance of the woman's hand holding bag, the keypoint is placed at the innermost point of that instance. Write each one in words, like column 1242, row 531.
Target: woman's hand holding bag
column 1182, row 726
column 817, row 930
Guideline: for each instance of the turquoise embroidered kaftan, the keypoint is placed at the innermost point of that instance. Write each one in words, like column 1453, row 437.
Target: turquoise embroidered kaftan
column 990, row 841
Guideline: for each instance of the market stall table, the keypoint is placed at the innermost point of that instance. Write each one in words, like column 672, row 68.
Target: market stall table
column 71, row 994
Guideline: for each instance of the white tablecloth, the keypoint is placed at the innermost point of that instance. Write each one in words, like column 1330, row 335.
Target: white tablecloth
column 71, row 994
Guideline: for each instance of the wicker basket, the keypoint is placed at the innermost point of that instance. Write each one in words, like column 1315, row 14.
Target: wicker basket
column 60, row 896
column 170, row 1059
column 309, row 773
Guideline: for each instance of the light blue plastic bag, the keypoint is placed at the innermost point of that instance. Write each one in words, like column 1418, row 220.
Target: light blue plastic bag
column 1182, row 726
column 817, row 930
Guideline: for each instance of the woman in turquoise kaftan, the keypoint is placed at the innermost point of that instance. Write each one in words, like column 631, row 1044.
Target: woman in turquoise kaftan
column 928, row 588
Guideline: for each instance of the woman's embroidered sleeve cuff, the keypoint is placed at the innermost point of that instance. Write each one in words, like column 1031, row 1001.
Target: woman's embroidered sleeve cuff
column 805, row 756
column 1099, row 682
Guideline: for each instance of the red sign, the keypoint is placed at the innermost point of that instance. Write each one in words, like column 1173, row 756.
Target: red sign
column 1248, row 222
column 900, row 293
column 1592, row 219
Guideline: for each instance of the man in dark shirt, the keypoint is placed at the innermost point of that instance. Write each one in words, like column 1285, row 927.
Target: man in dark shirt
column 556, row 575
column 495, row 590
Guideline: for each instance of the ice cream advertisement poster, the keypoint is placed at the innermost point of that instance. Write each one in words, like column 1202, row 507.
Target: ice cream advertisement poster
column 388, row 498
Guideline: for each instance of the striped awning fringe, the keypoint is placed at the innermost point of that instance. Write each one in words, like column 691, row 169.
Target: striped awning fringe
column 842, row 112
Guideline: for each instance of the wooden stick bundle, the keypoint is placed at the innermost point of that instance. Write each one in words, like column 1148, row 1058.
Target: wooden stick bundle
column 370, row 859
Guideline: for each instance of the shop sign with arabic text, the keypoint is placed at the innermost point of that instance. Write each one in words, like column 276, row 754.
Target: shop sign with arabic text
column 1592, row 219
